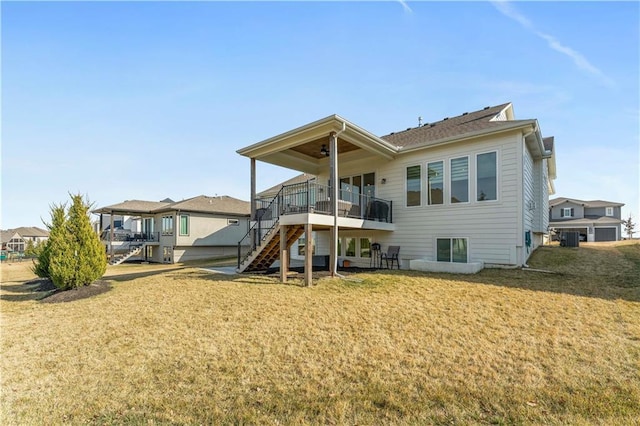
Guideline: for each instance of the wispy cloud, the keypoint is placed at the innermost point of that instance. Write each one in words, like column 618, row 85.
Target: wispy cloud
column 578, row 59
column 405, row 6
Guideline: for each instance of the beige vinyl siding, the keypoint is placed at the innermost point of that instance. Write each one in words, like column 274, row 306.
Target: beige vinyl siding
column 490, row 226
column 183, row 254
column 208, row 230
column 529, row 190
column 493, row 228
column 544, row 208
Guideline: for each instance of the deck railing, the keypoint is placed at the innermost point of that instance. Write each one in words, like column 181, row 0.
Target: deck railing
column 309, row 197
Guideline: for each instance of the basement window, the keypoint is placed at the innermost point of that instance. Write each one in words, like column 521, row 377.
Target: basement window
column 452, row 250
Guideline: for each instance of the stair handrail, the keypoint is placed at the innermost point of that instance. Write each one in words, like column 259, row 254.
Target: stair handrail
column 271, row 213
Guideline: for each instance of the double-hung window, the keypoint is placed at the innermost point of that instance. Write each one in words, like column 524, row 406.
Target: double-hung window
column 608, row 211
column 435, row 182
column 451, row 250
column 566, row 212
column 486, row 177
column 184, row 224
column 459, row 180
column 413, row 186
column 167, row 225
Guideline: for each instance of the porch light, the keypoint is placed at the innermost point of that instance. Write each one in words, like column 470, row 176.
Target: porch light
column 324, row 150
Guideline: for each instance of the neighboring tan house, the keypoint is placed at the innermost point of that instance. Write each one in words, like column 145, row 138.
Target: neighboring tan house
column 455, row 195
column 15, row 241
column 197, row 228
column 594, row 220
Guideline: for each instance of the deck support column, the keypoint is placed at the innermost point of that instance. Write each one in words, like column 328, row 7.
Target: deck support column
column 333, row 160
column 308, row 255
column 252, row 200
column 111, row 236
column 284, row 254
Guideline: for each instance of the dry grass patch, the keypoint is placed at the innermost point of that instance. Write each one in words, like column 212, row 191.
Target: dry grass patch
column 182, row 346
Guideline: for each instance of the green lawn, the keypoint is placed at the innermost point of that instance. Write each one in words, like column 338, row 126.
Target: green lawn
column 179, row 345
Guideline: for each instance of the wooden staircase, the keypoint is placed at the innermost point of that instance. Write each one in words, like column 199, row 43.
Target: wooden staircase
column 133, row 251
column 269, row 250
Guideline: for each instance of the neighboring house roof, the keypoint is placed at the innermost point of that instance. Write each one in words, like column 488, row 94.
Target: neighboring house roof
column 203, row 204
column 599, row 220
column 7, row 235
column 593, row 203
column 132, row 206
column 23, row 232
column 31, row 231
column 485, row 120
column 296, row 179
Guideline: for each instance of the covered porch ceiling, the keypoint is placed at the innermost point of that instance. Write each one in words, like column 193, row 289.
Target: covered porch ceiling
column 301, row 148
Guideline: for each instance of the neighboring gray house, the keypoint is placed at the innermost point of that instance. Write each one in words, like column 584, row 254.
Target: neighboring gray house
column 453, row 194
column 197, row 228
column 595, row 220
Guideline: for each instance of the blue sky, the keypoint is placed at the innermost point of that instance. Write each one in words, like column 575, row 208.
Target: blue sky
column 148, row 100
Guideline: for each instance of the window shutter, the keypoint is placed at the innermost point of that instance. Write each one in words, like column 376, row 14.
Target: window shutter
column 561, row 212
column 571, row 211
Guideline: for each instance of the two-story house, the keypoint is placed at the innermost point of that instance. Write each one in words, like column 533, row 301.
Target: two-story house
column 17, row 240
column 595, row 220
column 470, row 189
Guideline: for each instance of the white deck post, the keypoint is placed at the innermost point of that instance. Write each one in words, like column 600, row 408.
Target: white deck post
column 308, row 255
column 252, row 201
column 333, row 160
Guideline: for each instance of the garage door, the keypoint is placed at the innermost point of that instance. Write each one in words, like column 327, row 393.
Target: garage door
column 605, row 234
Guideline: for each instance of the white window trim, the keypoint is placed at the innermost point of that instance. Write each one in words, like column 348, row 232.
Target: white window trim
column 608, row 211
column 565, row 210
column 445, row 185
column 180, row 216
column 475, row 178
column 170, row 231
column 435, row 248
column 406, row 188
column 468, row 181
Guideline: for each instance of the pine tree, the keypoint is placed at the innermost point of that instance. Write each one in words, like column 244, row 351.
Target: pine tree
column 89, row 259
column 59, row 248
column 74, row 253
column 56, row 228
column 629, row 227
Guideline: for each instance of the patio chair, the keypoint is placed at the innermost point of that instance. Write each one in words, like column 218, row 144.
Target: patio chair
column 391, row 254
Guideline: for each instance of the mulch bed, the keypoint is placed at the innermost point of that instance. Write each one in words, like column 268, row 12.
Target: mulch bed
column 54, row 295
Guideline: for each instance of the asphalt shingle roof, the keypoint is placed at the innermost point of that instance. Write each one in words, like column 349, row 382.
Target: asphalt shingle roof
column 23, row 231
column 448, row 128
column 592, row 203
column 202, row 203
column 133, row 206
